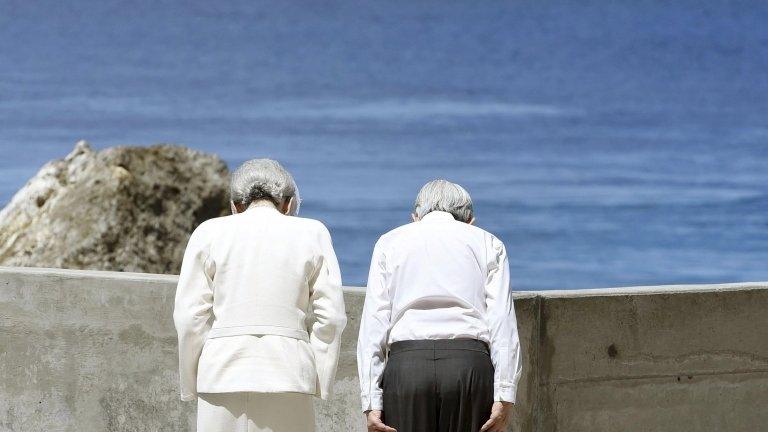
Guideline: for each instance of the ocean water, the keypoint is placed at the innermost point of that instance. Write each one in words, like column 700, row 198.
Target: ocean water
column 606, row 143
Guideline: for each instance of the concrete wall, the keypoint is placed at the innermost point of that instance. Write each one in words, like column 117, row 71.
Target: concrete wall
column 96, row 351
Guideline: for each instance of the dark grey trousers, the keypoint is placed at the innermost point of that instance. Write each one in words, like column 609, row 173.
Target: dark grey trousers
column 441, row 385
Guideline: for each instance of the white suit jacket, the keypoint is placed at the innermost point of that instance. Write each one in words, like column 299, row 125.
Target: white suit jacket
column 259, row 306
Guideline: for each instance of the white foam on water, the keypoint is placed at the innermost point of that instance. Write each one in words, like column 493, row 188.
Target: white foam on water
column 401, row 109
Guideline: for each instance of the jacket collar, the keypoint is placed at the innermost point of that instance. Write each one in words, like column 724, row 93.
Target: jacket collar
column 262, row 209
column 437, row 215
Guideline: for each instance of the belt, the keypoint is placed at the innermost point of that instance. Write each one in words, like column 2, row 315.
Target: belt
column 259, row 330
column 253, row 318
column 439, row 344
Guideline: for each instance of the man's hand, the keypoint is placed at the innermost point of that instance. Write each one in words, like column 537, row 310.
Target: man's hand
column 500, row 414
column 375, row 424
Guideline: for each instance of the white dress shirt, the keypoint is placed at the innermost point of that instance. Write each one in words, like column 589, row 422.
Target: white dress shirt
column 259, row 306
column 438, row 278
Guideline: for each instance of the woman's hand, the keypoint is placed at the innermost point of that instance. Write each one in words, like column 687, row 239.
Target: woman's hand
column 375, row 424
column 500, row 414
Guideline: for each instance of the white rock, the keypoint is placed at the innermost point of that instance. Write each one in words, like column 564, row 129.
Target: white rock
column 122, row 208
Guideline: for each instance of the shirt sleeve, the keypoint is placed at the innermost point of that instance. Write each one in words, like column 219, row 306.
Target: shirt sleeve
column 374, row 328
column 192, row 309
column 504, row 343
column 328, row 315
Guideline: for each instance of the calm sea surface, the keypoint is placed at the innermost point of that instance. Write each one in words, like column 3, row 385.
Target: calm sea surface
column 606, row 143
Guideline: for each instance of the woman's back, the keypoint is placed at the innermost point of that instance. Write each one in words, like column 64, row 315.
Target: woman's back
column 265, row 262
column 259, row 309
column 256, row 276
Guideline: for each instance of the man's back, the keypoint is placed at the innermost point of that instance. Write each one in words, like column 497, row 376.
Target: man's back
column 436, row 270
column 438, row 348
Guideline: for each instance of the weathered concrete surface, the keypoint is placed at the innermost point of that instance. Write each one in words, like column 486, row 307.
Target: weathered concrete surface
column 663, row 361
column 96, row 351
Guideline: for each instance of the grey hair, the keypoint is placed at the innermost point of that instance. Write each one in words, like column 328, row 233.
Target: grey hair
column 442, row 195
column 264, row 179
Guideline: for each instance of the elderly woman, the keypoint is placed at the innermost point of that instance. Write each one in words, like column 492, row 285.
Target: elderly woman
column 438, row 348
column 259, row 310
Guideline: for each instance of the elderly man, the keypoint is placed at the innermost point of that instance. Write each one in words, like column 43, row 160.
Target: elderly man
column 438, row 348
column 250, row 351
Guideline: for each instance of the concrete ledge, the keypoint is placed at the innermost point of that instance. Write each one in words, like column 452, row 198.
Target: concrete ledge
column 96, row 351
column 649, row 290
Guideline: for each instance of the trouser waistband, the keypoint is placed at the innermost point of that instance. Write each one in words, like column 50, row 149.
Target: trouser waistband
column 439, row 344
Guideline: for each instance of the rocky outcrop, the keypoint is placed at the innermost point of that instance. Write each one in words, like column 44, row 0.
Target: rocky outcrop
column 122, row 208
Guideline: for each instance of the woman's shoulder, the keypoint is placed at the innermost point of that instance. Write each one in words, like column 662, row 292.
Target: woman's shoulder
column 209, row 225
column 308, row 224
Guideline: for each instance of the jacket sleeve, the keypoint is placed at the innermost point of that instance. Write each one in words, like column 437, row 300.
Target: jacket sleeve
column 374, row 328
column 505, row 343
column 329, row 317
column 192, row 310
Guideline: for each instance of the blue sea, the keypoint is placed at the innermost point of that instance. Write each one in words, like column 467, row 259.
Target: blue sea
column 606, row 143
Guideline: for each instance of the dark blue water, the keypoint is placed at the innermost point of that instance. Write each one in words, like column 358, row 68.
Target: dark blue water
column 606, row 143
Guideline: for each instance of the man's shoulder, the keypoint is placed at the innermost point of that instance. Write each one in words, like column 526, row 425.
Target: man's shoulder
column 490, row 240
column 409, row 228
column 393, row 236
column 474, row 232
column 398, row 232
column 478, row 231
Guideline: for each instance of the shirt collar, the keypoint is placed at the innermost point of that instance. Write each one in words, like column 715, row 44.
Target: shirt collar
column 436, row 215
